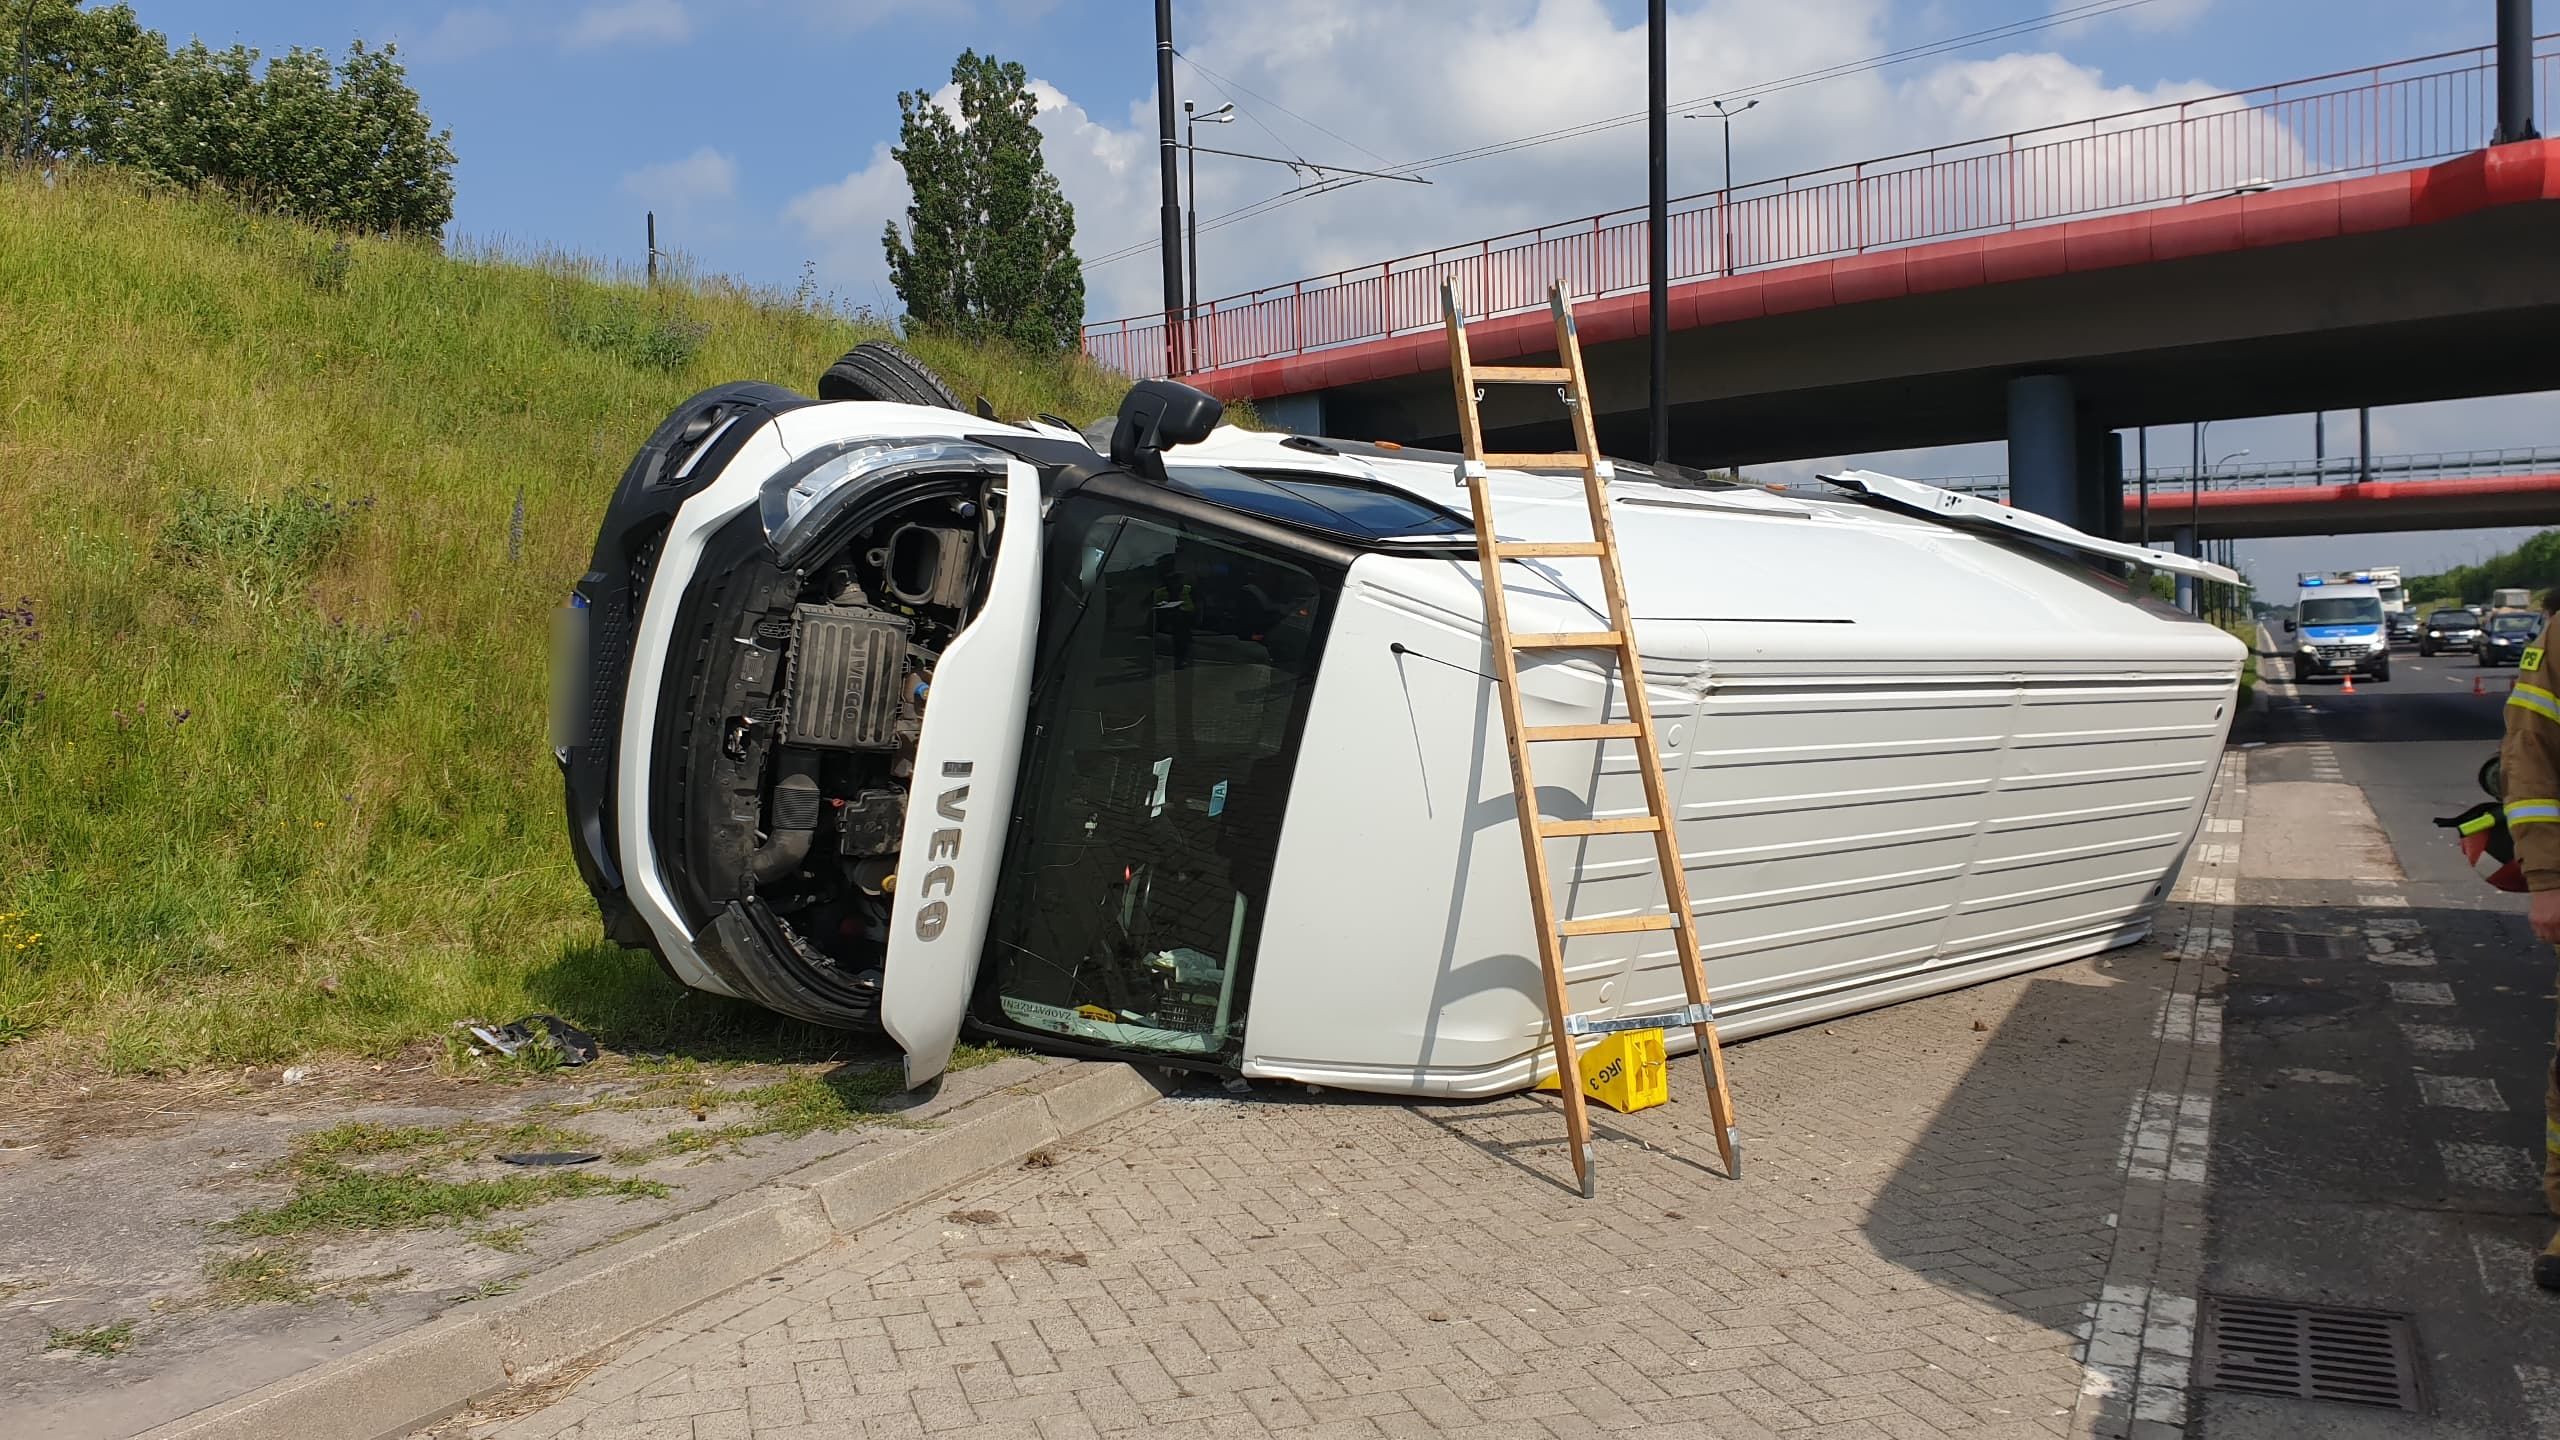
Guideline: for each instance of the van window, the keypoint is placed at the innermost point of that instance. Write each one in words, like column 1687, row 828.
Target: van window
column 1175, row 667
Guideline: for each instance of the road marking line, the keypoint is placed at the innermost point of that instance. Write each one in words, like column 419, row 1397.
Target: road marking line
column 2438, row 1037
column 2502, row 1168
column 2420, row 992
column 2506, row 1266
column 2460, row 1092
column 2541, row 1387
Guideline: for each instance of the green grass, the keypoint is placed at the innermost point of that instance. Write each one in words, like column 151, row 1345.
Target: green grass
column 331, row 1199
column 100, row 1340
column 273, row 775
column 268, row 1275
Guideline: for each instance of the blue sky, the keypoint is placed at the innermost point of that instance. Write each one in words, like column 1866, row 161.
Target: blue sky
column 757, row 129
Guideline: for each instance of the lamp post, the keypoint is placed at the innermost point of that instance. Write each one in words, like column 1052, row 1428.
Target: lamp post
column 1718, row 110
column 2217, row 465
column 1223, row 115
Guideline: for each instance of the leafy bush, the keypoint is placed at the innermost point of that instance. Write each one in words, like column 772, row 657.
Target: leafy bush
column 350, row 666
column 650, row 337
column 260, row 549
column 345, row 144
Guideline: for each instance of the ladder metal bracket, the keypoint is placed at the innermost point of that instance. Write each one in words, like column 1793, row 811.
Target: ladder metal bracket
column 1606, row 469
column 1470, row 471
column 1594, row 1025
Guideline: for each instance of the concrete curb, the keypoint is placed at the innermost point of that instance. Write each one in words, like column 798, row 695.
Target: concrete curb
column 396, row 1385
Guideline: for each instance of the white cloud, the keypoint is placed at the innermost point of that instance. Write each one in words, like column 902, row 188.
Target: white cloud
column 642, row 22
column 705, row 175
column 1395, row 81
column 462, row 34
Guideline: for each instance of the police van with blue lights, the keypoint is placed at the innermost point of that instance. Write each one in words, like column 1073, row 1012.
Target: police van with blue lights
column 2337, row 625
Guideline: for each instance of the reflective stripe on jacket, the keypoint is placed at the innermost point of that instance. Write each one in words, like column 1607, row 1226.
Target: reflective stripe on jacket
column 2529, row 762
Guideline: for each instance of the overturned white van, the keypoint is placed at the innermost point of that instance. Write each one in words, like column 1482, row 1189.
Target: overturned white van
column 888, row 716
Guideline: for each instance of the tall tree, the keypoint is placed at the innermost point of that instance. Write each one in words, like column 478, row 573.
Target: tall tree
column 989, row 249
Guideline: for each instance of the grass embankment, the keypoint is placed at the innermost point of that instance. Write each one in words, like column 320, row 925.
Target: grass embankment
column 289, row 518
column 2246, row 632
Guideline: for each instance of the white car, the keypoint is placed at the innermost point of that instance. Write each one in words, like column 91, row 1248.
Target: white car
column 1182, row 746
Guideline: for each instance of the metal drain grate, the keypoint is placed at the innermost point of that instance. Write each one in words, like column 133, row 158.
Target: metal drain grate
column 2308, row 1352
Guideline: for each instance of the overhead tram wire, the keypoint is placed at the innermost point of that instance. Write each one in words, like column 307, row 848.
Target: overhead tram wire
column 2087, row 10
column 1283, row 109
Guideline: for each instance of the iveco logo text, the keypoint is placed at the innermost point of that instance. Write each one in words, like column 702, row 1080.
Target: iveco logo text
column 945, row 845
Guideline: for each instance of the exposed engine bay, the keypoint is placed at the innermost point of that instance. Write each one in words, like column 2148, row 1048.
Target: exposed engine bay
column 807, row 720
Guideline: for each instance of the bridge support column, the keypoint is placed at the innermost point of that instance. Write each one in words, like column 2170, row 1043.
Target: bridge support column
column 2184, row 542
column 2044, row 443
column 1297, row 414
column 2101, row 454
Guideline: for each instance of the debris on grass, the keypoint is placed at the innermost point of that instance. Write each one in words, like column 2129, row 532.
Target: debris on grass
column 540, row 1042
column 99, row 1340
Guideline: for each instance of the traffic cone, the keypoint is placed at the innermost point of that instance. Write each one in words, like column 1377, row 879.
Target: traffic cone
column 2479, row 685
column 2351, row 684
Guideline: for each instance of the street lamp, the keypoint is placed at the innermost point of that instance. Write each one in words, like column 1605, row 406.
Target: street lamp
column 2209, row 470
column 1717, row 110
column 1223, row 115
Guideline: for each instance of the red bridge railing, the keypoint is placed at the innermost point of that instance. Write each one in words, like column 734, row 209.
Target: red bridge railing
column 2356, row 122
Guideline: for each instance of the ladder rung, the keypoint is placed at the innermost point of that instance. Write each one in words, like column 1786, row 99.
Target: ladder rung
column 1529, row 549
column 1616, row 924
column 1597, row 1025
column 1615, row 825
column 1535, row 460
column 1567, row 640
column 1522, row 374
column 1614, row 730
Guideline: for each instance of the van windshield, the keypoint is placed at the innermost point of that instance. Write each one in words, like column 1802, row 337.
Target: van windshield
column 2342, row 610
column 1175, row 667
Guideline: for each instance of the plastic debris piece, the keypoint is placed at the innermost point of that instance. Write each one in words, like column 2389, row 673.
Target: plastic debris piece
column 576, row 1046
column 552, row 1157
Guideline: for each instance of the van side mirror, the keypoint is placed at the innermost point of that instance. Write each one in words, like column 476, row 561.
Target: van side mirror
column 2288, row 625
column 1158, row 413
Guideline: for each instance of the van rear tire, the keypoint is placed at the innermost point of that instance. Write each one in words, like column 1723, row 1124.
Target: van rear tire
column 878, row 370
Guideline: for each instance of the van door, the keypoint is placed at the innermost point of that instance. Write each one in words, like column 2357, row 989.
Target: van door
column 966, row 759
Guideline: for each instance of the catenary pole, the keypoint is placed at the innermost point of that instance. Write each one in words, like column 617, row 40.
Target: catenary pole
column 1170, row 176
column 1658, row 227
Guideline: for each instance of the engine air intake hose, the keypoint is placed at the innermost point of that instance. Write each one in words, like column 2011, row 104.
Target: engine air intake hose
column 794, row 819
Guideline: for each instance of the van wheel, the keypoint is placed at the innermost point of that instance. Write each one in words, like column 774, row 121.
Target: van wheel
column 878, row 370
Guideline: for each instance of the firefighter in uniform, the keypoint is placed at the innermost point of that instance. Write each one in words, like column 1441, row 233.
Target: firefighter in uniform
column 2529, row 761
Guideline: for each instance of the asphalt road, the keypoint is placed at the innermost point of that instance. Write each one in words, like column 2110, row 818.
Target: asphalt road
column 2377, row 1130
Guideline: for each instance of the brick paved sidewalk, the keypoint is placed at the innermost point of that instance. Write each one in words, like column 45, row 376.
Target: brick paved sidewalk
column 1920, row 1250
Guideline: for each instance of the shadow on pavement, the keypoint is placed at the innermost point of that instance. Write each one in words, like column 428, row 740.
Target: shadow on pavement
column 2010, row 1185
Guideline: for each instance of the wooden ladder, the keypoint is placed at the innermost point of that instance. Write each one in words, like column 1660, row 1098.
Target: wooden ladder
column 1566, row 1028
